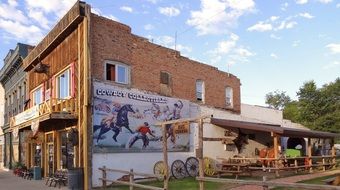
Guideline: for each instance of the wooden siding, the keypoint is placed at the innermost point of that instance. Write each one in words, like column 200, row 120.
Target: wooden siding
column 62, row 56
column 62, row 29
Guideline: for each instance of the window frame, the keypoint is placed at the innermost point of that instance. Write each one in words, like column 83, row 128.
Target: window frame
column 229, row 104
column 57, row 88
column 117, row 64
column 33, row 94
column 203, row 90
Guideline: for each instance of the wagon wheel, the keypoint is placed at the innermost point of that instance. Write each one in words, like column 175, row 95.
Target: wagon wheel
column 178, row 169
column 159, row 170
column 209, row 166
column 191, row 165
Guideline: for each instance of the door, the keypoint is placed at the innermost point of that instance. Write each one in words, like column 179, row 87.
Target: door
column 50, row 157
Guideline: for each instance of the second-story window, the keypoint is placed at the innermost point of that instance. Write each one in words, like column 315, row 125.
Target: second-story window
column 229, row 97
column 117, row 72
column 64, row 85
column 37, row 96
column 200, row 90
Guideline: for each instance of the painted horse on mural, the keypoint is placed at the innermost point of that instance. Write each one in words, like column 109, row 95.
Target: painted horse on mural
column 108, row 122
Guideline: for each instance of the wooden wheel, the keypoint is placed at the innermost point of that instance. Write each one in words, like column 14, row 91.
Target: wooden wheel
column 209, row 166
column 178, row 169
column 191, row 165
column 159, row 169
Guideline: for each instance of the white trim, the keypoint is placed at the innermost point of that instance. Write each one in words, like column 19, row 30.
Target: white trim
column 118, row 64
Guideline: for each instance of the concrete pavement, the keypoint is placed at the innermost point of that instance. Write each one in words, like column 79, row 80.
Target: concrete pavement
column 8, row 181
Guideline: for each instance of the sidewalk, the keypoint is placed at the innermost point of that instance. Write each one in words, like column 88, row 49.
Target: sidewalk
column 291, row 179
column 9, row 181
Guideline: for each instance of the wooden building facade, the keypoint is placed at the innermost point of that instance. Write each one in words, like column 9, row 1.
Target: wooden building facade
column 55, row 124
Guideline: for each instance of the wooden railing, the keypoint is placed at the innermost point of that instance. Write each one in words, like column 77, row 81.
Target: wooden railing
column 131, row 183
column 55, row 105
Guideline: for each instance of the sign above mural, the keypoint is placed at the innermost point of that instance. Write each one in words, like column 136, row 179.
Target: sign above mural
column 124, row 120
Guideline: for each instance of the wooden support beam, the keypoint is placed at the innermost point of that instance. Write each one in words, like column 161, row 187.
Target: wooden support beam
column 217, row 139
column 309, row 152
column 165, row 158
column 200, row 153
column 276, row 154
column 333, row 153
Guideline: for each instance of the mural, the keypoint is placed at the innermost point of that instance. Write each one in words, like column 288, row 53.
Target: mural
column 124, row 121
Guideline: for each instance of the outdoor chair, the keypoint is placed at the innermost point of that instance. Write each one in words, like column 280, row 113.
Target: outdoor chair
column 60, row 177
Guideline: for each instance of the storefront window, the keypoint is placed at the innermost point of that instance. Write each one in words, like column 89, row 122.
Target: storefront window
column 67, row 151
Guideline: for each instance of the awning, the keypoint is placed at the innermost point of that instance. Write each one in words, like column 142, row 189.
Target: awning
column 278, row 129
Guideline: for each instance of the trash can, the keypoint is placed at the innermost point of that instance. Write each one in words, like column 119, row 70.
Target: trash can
column 36, row 173
column 75, row 179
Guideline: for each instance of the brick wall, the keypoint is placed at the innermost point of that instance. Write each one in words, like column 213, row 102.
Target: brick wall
column 113, row 41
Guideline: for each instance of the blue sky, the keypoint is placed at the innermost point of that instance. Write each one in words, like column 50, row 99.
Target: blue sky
column 269, row 45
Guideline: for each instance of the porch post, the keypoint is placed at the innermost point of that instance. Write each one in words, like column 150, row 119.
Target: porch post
column 333, row 153
column 165, row 158
column 309, row 152
column 200, row 152
column 276, row 154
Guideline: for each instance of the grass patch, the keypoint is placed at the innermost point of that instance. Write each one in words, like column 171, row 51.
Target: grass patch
column 185, row 184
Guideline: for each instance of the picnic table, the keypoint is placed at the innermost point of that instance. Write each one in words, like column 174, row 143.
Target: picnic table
column 233, row 168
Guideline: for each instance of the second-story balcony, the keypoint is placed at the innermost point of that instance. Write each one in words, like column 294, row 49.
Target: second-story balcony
column 60, row 109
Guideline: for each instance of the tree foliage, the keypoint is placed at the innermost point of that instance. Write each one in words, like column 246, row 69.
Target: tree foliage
column 316, row 108
column 277, row 99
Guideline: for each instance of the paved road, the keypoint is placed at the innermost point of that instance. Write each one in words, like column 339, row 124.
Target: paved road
column 10, row 182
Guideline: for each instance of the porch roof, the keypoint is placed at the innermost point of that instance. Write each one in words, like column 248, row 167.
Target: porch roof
column 278, row 129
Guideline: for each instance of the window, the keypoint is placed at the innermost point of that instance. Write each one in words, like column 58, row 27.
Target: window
column 37, row 96
column 165, row 78
column 117, row 72
column 229, row 97
column 200, row 90
column 64, row 85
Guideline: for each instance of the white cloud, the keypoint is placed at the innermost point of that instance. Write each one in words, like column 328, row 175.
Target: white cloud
column 218, row 16
column 244, row 52
column 10, row 12
column 261, row 27
column 182, row 48
column 301, row 2
column 275, row 37
column 99, row 12
column 306, row 15
column 274, row 18
column 58, row 7
column 126, row 9
column 149, row 27
column 333, row 48
column 284, row 6
column 273, row 55
column 39, row 17
column 296, row 43
column 153, row 1
column 331, row 65
column 286, row 25
column 169, row 11
column 325, row 1
column 338, row 5
column 31, row 34
column 291, row 24
column 229, row 50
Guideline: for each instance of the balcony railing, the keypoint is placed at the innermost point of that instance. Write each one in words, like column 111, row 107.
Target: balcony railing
column 54, row 105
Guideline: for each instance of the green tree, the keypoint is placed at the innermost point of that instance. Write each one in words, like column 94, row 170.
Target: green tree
column 277, row 99
column 318, row 108
column 291, row 111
